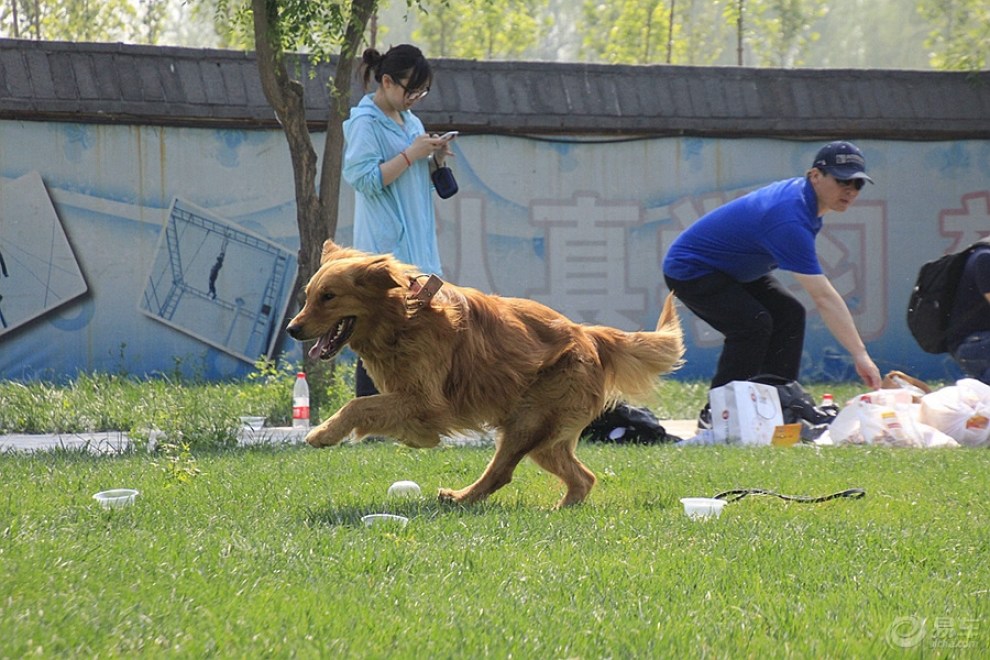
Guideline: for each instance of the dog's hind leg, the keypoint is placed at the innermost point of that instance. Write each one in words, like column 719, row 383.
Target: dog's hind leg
column 559, row 459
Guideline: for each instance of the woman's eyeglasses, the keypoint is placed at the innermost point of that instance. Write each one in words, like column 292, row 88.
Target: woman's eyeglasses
column 413, row 94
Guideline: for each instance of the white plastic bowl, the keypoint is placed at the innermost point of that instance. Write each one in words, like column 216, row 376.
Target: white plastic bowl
column 374, row 519
column 702, row 507
column 116, row 498
column 404, row 489
column 253, row 423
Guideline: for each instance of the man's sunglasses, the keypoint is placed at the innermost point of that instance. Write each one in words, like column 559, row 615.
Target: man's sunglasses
column 856, row 183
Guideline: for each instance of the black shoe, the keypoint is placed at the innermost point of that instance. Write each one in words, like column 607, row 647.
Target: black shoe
column 705, row 418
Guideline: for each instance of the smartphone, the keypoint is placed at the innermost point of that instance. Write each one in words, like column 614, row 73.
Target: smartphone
column 449, row 135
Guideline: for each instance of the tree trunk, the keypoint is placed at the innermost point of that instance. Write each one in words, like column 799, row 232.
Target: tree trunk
column 670, row 31
column 316, row 210
column 739, row 32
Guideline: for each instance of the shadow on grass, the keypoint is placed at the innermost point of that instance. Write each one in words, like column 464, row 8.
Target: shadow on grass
column 414, row 509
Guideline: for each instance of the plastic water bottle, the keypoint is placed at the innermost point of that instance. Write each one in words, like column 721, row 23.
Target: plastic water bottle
column 828, row 403
column 300, row 402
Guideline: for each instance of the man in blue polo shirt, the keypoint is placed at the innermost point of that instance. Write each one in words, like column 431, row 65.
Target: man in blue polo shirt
column 721, row 268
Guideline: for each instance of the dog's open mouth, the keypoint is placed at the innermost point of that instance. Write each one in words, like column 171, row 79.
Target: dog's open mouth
column 330, row 344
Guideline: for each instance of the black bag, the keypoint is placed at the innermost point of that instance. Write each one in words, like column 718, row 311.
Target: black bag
column 627, row 424
column 932, row 297
column 444, row 182
column 795, row 403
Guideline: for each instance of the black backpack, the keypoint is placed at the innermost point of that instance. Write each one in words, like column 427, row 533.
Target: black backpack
column 626, row 424
column 932, row 297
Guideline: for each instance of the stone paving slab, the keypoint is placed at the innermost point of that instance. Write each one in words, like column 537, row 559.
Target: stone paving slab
column 682, row 428
column 115, row 442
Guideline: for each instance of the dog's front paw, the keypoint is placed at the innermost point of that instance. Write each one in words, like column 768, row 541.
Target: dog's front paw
column 463, row 496
column 322, row 436
column 446, row 495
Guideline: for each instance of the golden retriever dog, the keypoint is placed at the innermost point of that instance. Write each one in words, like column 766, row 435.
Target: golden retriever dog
column 463, row 360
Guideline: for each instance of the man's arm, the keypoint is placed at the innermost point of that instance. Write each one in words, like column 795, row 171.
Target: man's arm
column 839, row 322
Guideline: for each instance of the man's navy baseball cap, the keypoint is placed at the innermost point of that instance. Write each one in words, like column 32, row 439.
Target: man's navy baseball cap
column 843, row 160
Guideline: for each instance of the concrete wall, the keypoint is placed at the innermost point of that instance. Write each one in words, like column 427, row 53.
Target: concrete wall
column 147, row 218
column 110, row 233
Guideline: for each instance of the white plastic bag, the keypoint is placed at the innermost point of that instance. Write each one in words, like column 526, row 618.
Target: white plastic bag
column 889, row 398
column 744, row 412
column 886, row 417
column 961, row 411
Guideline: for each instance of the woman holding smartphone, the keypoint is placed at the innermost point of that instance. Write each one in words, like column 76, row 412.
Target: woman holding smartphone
column 386, row 161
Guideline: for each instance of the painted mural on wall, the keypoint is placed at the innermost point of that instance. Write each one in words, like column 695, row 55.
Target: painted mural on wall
column 148, row 250
column 220, row 283
column 43, row 273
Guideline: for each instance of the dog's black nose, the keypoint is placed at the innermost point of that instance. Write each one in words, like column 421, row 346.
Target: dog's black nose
column 294, row 331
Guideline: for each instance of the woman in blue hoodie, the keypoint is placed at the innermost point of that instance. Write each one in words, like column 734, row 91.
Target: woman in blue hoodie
column 386, row 160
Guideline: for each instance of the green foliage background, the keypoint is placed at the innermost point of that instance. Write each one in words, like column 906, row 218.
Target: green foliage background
column 938, row 34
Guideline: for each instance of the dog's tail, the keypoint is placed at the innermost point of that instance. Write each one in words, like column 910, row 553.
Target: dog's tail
column 634, row 360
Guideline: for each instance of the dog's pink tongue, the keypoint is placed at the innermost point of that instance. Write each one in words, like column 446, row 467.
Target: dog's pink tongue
column 318, row 347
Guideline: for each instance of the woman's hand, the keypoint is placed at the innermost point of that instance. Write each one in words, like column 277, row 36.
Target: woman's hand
column 440, row 154
column 424, row 145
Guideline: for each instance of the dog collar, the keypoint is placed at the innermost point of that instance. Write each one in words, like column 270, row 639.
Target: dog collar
column 420, row 295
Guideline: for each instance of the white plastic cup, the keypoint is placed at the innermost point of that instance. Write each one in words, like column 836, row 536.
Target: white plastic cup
column 252, row 423
column 702, row 507
column 116, row 498
column 375, row 519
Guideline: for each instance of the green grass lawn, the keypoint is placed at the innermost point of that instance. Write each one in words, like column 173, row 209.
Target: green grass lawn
column 261, row 553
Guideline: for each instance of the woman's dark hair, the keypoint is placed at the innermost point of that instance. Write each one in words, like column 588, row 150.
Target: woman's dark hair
column 404, row 60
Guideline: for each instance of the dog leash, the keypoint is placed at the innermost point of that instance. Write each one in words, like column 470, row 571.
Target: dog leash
column 738, row 494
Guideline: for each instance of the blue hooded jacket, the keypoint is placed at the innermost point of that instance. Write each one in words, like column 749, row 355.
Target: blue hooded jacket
column 398, row 218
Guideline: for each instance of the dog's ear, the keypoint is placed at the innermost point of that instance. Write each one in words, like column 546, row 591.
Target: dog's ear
column 329, row 247
column 333, row 251
column 378, row 274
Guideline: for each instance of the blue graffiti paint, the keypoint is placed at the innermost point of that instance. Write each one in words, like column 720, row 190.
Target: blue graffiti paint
column 82, row 317
column 78, row 140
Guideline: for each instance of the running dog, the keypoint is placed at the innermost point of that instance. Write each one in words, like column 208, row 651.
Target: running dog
column 455, row 359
